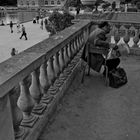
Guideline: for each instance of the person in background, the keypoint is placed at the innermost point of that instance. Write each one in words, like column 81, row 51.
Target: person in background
column 41, row 24
column 13, row 52
column 23, row 32
column 18, row 27
column 2, row 23
column 97, row 38
column 11, row 26
column 37, row 19
column 34, row 20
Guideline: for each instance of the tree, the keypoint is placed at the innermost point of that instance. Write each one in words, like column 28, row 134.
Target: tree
column 138, row 5
column 97, row 3
column 73, row 3
column 134, row 2
column 113, row 5
column 106, row 5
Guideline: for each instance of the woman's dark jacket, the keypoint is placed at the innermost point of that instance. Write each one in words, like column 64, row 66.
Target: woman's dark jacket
column 97, row 38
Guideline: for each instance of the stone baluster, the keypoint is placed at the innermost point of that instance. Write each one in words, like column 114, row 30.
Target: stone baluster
column 69, row 51
column 35, row 87
column 80, row 40
column 26, row 104
column 86, row 34
column 66, row 56
column 77, row 43
column 36, row 93
column 126, row 38
column 50, row 70
column 17, row 115
column 116, row 38
column 56, row 64
column 43, row 78
column 118, row 25
column 72, row 48
column 82, row 37
column 61, row 60
column 136, row 37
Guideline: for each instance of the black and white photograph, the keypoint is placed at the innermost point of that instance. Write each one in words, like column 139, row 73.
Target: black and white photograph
column 69, row 69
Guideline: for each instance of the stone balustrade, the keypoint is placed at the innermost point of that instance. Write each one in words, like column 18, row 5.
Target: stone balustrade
column 124, row 32
column 30, row 81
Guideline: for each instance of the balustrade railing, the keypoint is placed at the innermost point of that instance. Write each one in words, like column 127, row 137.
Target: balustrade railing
column 27, row 80
column 125, row 32
column 30, row 80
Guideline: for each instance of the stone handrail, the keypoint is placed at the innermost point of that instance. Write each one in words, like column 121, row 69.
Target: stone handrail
column 124, row 32
column 27, row 80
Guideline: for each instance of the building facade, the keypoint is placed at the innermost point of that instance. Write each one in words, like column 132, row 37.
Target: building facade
column 39, row 3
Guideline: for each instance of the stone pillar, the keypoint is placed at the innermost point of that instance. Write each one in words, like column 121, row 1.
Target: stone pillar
column 26, row 104
column 61, row 59
column 50, row 70
column 56, row 64
column 35, row 87
column 43, row 78
column 17, row 115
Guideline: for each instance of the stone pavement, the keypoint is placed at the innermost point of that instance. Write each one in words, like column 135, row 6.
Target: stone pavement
column 92, row 111
column 11, row 40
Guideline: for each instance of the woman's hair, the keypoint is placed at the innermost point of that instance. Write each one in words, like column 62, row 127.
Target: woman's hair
column 103, row 24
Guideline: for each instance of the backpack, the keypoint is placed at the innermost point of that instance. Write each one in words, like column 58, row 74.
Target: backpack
column 117, row 77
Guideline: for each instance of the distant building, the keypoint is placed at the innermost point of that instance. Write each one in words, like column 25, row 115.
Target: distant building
column 39, row 3
column 88, row 2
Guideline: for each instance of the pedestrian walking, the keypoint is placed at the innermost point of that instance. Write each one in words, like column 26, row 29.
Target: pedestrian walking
column 18, row 27
column 37, row 19
column 34, row 20
column 41, row 24
column 11, row 26
column 23, row 32
column 13, row 52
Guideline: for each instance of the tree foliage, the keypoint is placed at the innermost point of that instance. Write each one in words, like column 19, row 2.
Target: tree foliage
column 138, row 5
column 97, row 3
column 106, row 5
column 60, row 20
column 113, row 5
column 73, row 3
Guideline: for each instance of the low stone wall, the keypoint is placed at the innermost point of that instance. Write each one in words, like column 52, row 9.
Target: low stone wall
column 33, row 82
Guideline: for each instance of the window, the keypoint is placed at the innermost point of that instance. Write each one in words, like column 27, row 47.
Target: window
column 46, row 2
column 33, row 3
column 52, row 2
column 28, row 3
column 21, row 3
column 58, row 2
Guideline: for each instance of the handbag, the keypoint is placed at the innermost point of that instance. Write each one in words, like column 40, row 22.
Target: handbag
column 117, row 77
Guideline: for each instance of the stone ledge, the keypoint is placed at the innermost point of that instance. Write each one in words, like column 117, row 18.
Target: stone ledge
column 34, row 133
column 135, row 51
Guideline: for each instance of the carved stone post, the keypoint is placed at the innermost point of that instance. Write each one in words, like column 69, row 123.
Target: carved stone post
column 69, row 51
column 136, row 37
column 44, row 82
column 116, row 38
column 66, row 56
column 35, row 87
column 16, row 115
column 26, row 104
column 127, row 37
column 56, row 64
column 50, row 70
column 61, row 59
column 72, row 48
